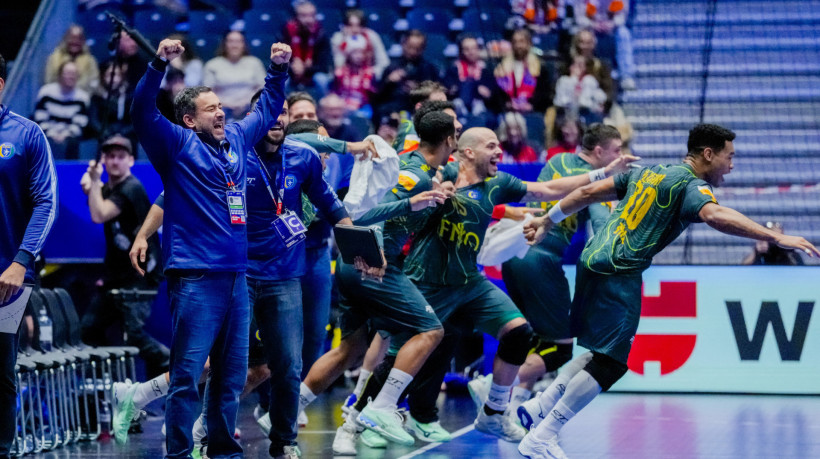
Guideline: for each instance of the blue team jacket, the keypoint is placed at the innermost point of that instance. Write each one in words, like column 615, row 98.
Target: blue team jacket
column 28, row 190
column 197, row 230
column 268, row 258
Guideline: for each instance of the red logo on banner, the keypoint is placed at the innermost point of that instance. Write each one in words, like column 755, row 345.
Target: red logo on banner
column 676, row 300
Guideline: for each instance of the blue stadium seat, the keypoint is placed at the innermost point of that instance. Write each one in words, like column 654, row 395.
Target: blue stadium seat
column 368, row 5
column 485, row 21
column 535, row 130
column 336, row 4
column 430, row 20
column 330, row 19
column 209, row 23
column 259, row 46
column 434, row 4
column 436, row 44
column 381, row 20
column 155, row 25
column 205, row 44
column 95, row 22
column 263, row 22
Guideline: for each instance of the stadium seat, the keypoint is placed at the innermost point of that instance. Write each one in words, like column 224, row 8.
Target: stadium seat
column 485, row 21
column 381, row 20
column 322, row 5
column 429, row 20
column 205, row 45
column 535, row 130
column 330, row 19
column 209, row 23
column 367, row 5
column 433, row 4
column 259, row 46
column 155, row 25
column 263, row 21
column 436, row 44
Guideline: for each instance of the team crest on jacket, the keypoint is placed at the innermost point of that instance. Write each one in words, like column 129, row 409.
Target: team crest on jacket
column 474, row 194
column 6, row 150
column 232, row 157
column 290, row 181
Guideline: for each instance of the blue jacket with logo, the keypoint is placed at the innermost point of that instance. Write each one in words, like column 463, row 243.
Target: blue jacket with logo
column 197, row 230
column 28, row 190
column 268, row 258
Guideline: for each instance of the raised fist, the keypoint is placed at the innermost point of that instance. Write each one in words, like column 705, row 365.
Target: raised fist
column 280, row 53
column 170, row 49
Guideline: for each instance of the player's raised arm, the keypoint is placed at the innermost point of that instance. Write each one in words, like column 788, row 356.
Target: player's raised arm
column 576, row 201
column 558, row 188
column 729, row 221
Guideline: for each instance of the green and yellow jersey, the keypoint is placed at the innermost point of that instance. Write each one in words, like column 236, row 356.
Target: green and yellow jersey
column 657, row 204
column 407, row 139
column 445, row 251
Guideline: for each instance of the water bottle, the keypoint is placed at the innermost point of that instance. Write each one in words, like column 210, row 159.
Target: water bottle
column 45, row 330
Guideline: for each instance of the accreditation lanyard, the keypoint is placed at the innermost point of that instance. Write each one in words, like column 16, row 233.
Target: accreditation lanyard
column 267, row 177
column 235, row 196
column 216, row 156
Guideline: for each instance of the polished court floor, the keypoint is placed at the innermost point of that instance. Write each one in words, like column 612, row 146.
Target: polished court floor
column 613, row 426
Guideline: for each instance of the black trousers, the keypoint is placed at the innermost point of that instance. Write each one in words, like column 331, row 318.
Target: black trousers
column 8, row 391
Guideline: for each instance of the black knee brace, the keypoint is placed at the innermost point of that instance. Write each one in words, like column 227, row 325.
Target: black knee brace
column 605, row 370
column 516, row 344
column 554, row 354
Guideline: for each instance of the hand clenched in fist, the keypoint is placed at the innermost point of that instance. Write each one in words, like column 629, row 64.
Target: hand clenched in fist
column 170, row 49
column 280, row 53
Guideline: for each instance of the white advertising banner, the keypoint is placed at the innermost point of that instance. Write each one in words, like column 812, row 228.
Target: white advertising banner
column 726, row 329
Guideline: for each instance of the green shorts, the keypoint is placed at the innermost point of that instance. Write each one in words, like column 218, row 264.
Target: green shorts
column 538, row 286
column 394, row 306
column 606, row 311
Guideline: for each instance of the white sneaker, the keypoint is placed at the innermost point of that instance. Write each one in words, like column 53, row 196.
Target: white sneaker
column 264, row 424
column 531, row 448
column 499, row 425
column 344, row 443
column 479, row 389
column 302, row 419
column 199, row 431
column 530, row 413
column 163, row 429
column 258, row 412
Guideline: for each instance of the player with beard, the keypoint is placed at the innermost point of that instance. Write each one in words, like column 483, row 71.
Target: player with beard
column 657, row 204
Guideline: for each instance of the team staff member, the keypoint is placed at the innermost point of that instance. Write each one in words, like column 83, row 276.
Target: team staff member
column 202, row 165
column 28, row 187
column 657, row 204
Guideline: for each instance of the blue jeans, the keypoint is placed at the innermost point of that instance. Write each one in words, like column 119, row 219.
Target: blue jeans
column 316, row 304
column 8, row 390
column 209, row 314
column 277, row 307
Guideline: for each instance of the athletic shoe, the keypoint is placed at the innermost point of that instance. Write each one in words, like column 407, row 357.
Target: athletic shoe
column 349, row 402
column 373, row 440
column 479, row 389
column 264, row 424
column 530, row 413
column 387, row 423
column 500, row 425
column 123, row 409
column 285, row 452
column 430, row 432
column 403, row 408
column 302, row 419
column 258, row 412
column 531, row 448
column 344, row 443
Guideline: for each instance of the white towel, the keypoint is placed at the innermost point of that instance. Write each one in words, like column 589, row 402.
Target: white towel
column 371, row 179
column 503, row 241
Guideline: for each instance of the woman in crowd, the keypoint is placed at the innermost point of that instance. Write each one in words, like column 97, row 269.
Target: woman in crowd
column 73, row 48
column 234, row 75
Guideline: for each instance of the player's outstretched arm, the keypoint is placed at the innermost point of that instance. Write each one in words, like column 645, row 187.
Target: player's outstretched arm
column 558, row 188
column 576, row 201
column 730, row 221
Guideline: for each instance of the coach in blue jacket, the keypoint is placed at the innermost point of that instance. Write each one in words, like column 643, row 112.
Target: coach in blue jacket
column 203, row 169
column 28, row 208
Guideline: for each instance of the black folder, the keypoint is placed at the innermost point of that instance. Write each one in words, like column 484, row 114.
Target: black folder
column 359, row 241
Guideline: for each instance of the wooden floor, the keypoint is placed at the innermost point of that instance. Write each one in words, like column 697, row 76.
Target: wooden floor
column 613, row 426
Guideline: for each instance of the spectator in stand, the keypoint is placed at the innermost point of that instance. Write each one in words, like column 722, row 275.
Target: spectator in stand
column 110, row 109
column 400, row 78
column 121, row 205
column 73, row 48
column 128, row 56
column 567, row 134
column 301, row 105
column 579, row 92
column 332, row 115
column 189, row 63
column 355, row 25
column 355, row 81
column 512, row 133
column 608, row 18
column 583, row 44
column 234, row 75
column 470, row 83
column 174, row 84
column 766, row 253
column 62, row 112
column 310, row 67
column 387, row 127
column 528, row 80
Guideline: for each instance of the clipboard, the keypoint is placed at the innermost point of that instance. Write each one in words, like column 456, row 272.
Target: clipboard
column 11, row 312
column 359, row 241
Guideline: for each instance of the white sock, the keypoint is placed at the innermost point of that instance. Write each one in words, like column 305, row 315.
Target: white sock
column 499, row 397
column 582, row 388
column 556, row 389
column 151, row 390
column 363, row 375
column 395, row 384
column 516, row 381
column 306, row 397
column 520, row 395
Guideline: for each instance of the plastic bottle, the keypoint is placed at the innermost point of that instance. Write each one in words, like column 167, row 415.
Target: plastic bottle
column 46, row 330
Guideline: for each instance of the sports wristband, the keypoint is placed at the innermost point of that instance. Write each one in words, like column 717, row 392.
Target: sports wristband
column 597, row 174
column 555, row 213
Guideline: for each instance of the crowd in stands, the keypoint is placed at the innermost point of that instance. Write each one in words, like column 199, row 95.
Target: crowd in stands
column 557, row 67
